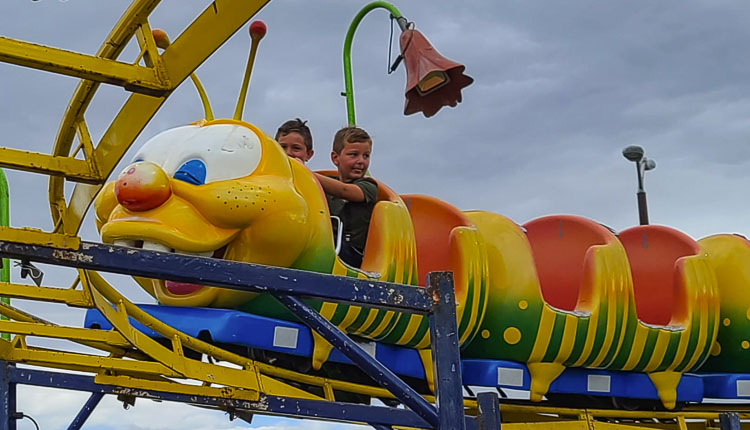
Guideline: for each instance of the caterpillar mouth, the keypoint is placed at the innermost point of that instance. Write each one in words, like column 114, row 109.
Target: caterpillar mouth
column 173, row 287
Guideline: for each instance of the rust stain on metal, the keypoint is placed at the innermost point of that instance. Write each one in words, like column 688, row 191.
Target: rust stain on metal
column 72, row 256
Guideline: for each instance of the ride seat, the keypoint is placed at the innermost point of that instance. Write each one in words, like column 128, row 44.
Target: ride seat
column 562, row 246
column 433, row 221
column 373, row 246
column 656, row 254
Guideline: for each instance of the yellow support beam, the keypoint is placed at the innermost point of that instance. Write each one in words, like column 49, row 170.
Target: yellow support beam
column 34, row 236
column 82, row 362
column 18, row 315
column 75, row 298
column 174, row 387
column 130, row 76
column 57, row 332
column 74, row 169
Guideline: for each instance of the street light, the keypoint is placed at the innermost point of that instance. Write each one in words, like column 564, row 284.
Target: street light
column 642, row 164
column 432, row 81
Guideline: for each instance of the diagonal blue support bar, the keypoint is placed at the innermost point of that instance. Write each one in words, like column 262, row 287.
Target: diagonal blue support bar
column 86, row 411
column 445, row 352
column 488, row 417
column 7, row 397
column 373, row 368
column 223, row 273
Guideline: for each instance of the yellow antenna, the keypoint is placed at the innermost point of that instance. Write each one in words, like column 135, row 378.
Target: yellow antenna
column 257, row 31
column 162, row 41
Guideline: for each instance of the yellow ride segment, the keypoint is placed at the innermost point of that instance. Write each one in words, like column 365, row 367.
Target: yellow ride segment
column 383, row 324
column 568, row 340
column 657, row 353
column 371, row 315
column 411, row 329
column 702, row 336
column 636, row 350
column 544, row 333
column 612, row 322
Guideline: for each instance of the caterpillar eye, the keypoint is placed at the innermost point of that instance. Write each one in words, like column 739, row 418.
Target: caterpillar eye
column 192, row 172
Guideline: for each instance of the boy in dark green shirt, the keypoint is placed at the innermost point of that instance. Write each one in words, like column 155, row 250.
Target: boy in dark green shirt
column 351, row 196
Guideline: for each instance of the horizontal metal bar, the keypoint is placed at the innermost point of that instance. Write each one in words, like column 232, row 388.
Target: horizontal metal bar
column 87, row 362
column 273, row 405
column 132, row 77
column 59, row 332
column 223, row 273
column 372, row 367
column 35, row 162
column 46, row 294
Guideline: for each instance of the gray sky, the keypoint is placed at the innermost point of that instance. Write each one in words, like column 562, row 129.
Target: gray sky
column 560, row 89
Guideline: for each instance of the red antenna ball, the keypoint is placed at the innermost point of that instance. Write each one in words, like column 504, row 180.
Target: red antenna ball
column 257, row 29
column 161, row 38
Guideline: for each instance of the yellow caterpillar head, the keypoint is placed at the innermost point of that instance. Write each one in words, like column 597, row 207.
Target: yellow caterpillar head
column 221, row 188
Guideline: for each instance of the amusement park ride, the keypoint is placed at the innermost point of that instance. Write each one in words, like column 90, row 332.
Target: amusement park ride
column 257, row 315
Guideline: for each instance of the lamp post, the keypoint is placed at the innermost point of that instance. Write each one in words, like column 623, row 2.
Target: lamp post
column 642, row 164
column 432, row 81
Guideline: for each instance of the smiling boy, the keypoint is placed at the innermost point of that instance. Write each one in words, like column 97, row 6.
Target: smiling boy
column 295, row 138
column 351, row 196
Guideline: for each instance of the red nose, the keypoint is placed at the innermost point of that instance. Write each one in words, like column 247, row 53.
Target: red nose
column 142, row 186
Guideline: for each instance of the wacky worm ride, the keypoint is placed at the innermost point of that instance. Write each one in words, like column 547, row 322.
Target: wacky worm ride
column 558, row 306
column 558, row 292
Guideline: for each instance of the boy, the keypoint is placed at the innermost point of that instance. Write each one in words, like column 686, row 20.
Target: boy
column 351, row 196
column 295, row 138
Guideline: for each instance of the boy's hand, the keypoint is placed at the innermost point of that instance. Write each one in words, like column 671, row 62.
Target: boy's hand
column 336, row 188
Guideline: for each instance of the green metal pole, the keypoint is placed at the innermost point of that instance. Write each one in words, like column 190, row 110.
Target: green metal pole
column 5, row 222
column 348, row 49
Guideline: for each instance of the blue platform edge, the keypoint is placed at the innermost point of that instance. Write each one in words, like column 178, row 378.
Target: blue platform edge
column 240, row 328
column 254, row 331
column 726, row 385
column 595, row 382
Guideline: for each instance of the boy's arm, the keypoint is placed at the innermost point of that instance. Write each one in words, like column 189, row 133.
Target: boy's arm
column 336, row 188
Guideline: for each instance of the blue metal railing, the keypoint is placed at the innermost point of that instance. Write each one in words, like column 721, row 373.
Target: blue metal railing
column 437, row 301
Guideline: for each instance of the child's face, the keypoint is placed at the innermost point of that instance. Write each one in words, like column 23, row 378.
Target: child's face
column 353, row 160
column 294, row 145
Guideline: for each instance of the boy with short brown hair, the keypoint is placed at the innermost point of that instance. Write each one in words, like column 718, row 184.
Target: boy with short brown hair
column 351, row 196
column 295, row 138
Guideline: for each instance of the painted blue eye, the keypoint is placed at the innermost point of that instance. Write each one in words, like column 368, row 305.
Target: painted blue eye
column 192, row 172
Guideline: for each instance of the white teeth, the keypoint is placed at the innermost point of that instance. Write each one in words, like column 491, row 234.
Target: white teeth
column 153, row 246
column 123, row 242
column 156, row 246
column 197, row 254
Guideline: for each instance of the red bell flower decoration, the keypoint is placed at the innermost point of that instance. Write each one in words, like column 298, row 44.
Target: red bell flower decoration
column 432, row 81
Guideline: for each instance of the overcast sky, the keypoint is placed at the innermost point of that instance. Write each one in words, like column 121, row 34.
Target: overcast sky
column 560, row 89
